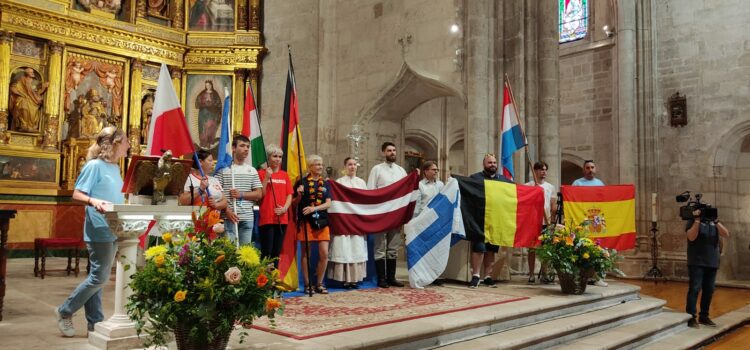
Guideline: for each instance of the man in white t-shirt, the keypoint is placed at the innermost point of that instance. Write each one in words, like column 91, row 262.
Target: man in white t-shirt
column 550, row 208
column 387, row 243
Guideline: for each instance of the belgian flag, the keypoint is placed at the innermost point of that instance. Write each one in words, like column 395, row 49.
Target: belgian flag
column 501, row 213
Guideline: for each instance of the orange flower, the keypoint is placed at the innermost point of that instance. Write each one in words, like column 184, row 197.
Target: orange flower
column 568, row 240
column 272, row 304
column 219, row 259
column 261, row 280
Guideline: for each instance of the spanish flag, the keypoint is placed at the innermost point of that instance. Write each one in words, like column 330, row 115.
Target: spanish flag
column 609, row 212
column 501, row 213
column 293, row 162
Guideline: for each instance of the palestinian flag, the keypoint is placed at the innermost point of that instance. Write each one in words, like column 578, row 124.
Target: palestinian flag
column 501, row 213
column 609, row 212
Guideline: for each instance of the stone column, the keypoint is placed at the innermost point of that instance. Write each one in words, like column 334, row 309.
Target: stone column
column 327, row 116
column 134, row 120
column 52, row 97
column 626, row 91
column 480, row 128
column 549, row 91
column 238, row 99
column 176, row 73
column 6, row 43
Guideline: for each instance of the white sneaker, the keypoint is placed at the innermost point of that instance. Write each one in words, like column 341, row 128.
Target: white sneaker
column 65, row 325
column 601, row 283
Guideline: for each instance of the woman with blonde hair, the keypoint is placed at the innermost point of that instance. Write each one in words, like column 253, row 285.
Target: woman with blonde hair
column 273, row 206
column 314, row 197
column 98, row 186
column 348, row 256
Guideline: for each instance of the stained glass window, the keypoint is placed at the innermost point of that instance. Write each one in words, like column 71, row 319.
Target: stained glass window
column 574, row 16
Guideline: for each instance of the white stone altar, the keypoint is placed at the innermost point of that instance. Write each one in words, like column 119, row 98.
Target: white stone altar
column 128, row 222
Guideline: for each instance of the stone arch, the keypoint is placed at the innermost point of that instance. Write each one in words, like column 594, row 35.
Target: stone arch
column 570, row 168
column 423, row 141
column 408, row 90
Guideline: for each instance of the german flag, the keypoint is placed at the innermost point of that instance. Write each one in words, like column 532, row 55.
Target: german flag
column 294, row 163
column 501, row 213
column 609, row 212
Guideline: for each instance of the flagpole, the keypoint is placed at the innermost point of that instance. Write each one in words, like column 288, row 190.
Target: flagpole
column 270, row 180
column 299, row 166
column 234, row 200
column 520, row 127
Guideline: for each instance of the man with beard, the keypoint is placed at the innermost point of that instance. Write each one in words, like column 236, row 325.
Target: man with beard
column 589, row 179
column 387, row 243
column 483, row 253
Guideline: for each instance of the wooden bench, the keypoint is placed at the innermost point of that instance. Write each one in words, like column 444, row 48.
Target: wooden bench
column 41, row 245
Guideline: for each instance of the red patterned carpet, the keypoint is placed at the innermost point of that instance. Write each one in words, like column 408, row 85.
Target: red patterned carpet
column 306, row 317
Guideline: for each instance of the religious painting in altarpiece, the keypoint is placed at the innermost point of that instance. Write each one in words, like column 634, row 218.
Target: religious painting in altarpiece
column 204, row 104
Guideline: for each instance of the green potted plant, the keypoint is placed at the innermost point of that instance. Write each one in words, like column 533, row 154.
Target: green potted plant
column 574, row 256
column 199, row 288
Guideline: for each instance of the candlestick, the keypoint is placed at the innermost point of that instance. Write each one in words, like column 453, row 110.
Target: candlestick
column 653, row 207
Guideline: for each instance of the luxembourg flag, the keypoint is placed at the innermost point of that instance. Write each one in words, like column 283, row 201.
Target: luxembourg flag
column 511, row 138
column 168, row 129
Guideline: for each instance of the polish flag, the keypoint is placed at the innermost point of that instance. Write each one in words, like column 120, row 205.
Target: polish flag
column 357, row 211
column 168, row 129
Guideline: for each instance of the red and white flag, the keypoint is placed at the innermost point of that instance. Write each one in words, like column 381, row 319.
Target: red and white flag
column 168, row 129
column 357, row 211
column 152, row 230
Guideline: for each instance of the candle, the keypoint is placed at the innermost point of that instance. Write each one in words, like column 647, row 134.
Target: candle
column 653, row 207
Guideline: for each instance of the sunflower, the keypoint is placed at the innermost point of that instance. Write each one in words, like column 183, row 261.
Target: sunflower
column 249, row 255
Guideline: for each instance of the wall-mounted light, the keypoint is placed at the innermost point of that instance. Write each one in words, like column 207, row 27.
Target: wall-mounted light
column 455, row 28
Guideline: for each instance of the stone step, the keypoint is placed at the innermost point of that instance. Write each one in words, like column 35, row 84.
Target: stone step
column 632, row 334
column 691, row 338
column 566, row 328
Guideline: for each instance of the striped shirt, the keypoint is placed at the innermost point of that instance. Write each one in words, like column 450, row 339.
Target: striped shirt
column 246, row 179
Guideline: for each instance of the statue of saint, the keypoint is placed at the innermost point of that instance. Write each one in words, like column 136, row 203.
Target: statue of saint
column 93, row 113
column 147, row 109
column 26, row 102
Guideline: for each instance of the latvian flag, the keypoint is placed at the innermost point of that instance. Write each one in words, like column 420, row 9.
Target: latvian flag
column 609, row 212
column 501, row 213
column 356, row 211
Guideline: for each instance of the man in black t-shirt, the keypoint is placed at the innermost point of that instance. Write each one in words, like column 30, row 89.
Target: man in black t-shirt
column 703, row 262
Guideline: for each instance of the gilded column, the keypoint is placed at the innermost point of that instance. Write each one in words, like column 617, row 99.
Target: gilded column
column 176, row 74
column 243, row 15
column 239, row 98
column 178, row 20
column 254, row 15
column 134, row 121
column 52, row 98
column 140, row 8
column 6, row 42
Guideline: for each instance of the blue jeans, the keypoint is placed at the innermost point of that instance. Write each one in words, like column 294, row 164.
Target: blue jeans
column 88, row 294
column 702, row 279
column 246, row 231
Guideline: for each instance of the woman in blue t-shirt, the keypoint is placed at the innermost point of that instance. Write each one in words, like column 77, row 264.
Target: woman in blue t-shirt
column 98, row 184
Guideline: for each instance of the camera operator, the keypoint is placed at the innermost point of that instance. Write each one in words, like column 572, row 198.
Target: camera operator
column 703, row 262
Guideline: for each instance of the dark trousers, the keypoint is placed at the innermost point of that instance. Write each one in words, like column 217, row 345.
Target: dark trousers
column 271, row 240
column 702, row 279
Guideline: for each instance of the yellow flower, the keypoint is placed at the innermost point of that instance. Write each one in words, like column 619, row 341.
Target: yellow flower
column 159, row 260
column 556, row 240
column 585, row 255
column 249, row 255
column 155, row 251
column 167, row 237
column 180, row 296
column 579, row 228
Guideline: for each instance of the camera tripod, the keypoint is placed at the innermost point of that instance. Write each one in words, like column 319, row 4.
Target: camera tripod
column 654, row 272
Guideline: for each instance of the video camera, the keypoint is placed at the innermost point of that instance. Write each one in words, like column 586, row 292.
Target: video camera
column 708, row 213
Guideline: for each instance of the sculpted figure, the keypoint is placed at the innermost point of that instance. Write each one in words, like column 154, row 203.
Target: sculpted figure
column 93, row 112
column 26, row 102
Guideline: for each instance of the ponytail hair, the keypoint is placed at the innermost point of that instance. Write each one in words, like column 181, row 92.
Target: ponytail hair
column 104, row 148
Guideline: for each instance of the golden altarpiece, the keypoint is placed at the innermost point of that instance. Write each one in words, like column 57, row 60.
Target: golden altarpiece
column 71, row 67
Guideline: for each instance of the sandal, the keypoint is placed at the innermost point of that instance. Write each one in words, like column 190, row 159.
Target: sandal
column 532, row 280
column 320, row 289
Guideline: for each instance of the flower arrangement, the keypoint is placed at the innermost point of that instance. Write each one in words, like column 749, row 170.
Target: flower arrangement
column 570, row 251
column 201, row 287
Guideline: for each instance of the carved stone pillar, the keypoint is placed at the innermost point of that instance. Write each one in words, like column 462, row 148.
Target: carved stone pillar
column 178, row 17
column 176, row 74
column 134, row 121
column 254, row 15
column 140, row 8
column 6, row 42
column 52, row 98
column 239, row 98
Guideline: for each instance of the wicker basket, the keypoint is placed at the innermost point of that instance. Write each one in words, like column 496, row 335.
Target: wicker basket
column 181, row 335
column 574, row 284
